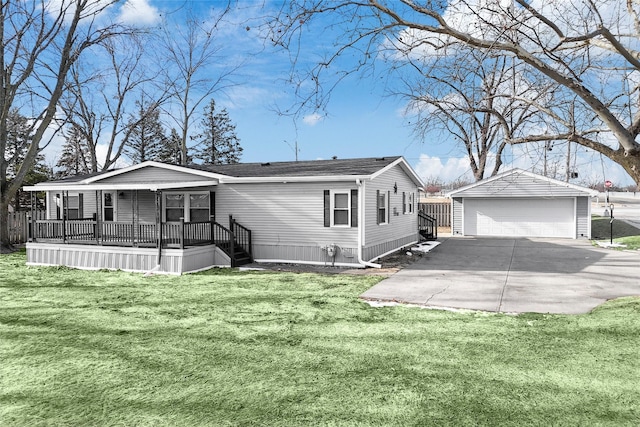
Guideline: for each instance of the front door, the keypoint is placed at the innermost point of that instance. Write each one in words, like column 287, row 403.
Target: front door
column 109, row 212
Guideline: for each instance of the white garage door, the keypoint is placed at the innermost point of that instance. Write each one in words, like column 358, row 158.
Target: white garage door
column 519, row 217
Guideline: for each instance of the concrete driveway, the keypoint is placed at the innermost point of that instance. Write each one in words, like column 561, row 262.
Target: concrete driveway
column 514, row 276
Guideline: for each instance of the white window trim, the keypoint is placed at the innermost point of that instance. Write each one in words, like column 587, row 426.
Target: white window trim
column 114, row 197
column 186, row 209
column 408, row 209
column 332, row 203
column 64, row 195
column 386, row 208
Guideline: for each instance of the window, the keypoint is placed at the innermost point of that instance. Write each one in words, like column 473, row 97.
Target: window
column 382, row 207
column 407, row 203
column 404, row 202
column 199, row 207
column 69, row 206
column 174, row 207
column 340, row 209
column 108, row 206
column 193, row 207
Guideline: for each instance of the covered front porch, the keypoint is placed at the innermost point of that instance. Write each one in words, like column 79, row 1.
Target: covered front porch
column 137, row 227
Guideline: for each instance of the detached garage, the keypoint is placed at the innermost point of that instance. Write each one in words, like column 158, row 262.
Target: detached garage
column 518, row 203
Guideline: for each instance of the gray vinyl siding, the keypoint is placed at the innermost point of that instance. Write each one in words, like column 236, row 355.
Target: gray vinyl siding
column 287, row 220
column 401, row 228
column 153, row 175
column 519, row 185
column 89, row 206
column 126, row 206
column 456, row 222
column 583, row 218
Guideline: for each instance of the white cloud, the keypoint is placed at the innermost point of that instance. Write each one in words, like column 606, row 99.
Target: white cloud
column 139, row 12
column 453, row 169
column 312, row 119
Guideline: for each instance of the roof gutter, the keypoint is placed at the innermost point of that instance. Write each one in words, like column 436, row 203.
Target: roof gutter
column 361, row 224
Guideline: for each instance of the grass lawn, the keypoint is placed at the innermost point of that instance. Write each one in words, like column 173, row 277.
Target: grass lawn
column 623, row 232
column 226, row 348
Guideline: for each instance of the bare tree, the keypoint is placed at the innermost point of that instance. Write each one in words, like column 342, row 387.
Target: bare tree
column 39, row 43
column 469, row 95
column 195, row 68
column 101, row 96
column 587, row 48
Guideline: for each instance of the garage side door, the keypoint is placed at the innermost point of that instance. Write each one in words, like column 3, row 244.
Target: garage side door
column 519, row 217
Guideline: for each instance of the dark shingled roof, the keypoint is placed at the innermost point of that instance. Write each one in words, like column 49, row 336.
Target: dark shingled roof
column 334, row 167
column 77, row 178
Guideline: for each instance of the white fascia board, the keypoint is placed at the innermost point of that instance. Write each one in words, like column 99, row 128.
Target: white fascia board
column 406, row 167
column 152, row 164
column 286, row 179
column 122, row 186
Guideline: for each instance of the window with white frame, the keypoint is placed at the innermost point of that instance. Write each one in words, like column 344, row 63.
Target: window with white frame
column 68, row 205
column 174, row 207
column 193, row 207
column 340, row 208
column 199, row 207
column 408, row 201
column 382, row 207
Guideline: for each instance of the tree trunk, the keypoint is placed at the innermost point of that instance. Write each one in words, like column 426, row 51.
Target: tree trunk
column 5, row 244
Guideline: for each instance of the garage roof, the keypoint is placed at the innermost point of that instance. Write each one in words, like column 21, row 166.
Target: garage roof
column 521, row 183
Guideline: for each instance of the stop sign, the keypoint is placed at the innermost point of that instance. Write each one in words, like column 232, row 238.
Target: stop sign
column 608, row 184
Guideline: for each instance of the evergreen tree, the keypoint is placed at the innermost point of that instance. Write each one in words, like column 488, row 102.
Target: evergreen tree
column 147, row 134
column 218, row 143
column 18, row 140
column 170, row 149
column 75, row 158
column 39, row 172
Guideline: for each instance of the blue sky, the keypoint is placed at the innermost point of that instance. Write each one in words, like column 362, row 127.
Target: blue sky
column 360, row 120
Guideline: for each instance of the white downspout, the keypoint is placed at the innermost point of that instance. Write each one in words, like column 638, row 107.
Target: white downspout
column 361, row 225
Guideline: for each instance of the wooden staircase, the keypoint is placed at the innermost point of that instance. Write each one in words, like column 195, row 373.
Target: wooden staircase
column 427, row 226
column 235, row 241
column 239, row 256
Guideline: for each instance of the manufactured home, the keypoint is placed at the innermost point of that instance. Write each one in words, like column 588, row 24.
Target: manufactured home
column 177, row 219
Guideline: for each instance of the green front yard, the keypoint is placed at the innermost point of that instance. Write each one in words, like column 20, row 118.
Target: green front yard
column 623, row 232
column 283, row 349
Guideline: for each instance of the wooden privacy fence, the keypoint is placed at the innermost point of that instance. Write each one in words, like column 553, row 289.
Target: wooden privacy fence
column 440, row 211
column 19, row 225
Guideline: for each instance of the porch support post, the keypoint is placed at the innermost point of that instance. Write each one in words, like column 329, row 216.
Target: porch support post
column 30, row 228
column 159, row 223
column 98, row 215
column 65, row 212
column 181, row 232
column 136, row 219
column 232, row 241
column 133, row 219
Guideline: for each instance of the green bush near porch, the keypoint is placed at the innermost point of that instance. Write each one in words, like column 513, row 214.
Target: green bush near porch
column 280, row 349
